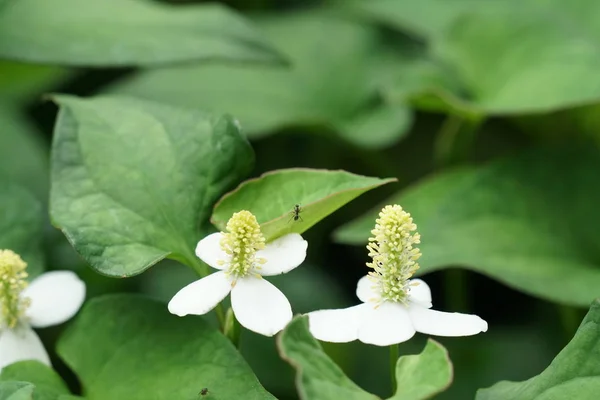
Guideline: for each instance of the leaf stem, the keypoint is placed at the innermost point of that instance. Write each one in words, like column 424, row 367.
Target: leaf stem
column 394, row 354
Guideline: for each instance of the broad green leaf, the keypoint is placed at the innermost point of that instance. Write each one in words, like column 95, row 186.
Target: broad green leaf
column 21, row 226
column 529, row 221
column 130, row 347
column 329, row 84
column 23, row 155
column 424, row 375
column 318, row 377
column 126, row 33
column 12, row 390
column 48, row 385
column 507, row 57
column 573, row 374
column 273, row 196
column 134, row 182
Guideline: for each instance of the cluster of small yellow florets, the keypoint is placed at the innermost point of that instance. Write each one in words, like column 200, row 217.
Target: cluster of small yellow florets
column 393, row 254
column 12, row 282
column 241, row 241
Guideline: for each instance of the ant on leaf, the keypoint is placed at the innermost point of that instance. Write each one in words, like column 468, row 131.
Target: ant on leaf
column 295, row 213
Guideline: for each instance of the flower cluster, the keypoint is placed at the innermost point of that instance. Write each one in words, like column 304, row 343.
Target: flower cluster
column 50, row 299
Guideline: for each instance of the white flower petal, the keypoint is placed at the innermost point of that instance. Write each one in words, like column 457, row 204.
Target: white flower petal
column 259, row 306
column 366, row 290
column 20, row 344
column 337, row 326
column 420, row 293
column 209, row 250
column 55, row 296
column 201, row 296
column 385, row 325
column 282, row 255
column 440, row 323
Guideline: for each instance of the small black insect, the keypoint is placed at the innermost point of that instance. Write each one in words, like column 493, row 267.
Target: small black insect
column 296, row 213
column 204, row 392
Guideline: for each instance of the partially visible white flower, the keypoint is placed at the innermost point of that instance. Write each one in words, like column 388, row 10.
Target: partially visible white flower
column 394, row 306
column 50, row 299
column 243, row 259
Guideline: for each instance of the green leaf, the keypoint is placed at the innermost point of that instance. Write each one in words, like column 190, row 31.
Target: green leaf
column 273, row 196
column 130, row 347
column 318, row 377
column 424, row 375
column 93, row 33
column 546, row 65
column 529, row 221
column 329, row 84
column 16, row 390
column 48, row 384
column 134, row 182
column 573, row 374
column 21, row 226
column 23, row 155
column 22, row 81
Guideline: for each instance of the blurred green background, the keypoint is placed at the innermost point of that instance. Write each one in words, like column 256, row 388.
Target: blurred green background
column 392, row 88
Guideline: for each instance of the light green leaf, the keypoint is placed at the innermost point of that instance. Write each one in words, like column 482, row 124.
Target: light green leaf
column 134, row 182
column 273, row 196
column 424, row 375
column 125, row 33
column 16, row 390
column 529, row 221
column 329, row 84
column 48, row 384
column 21, row 226
column 573, row 374
column 23, row 156
column 130, row 347
column 318, row 377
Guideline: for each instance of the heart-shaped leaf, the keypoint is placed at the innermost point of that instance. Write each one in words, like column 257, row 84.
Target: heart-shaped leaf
column 273, row 197
column 126, row 32
column 134, row 182
column 130, row 347
column 21, row 226
column 329, row 84
column 319, row 378
column 573, row 374
column 529, row 221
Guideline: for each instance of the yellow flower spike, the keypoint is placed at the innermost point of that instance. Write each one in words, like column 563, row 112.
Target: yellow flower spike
column 12, row 282
column 242, row 240
column 394, row 258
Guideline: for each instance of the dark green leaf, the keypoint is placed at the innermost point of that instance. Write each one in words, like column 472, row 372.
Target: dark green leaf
column 21, row 226
column 273, row 196
column 573, row 374
column 529, row 221
column 329, row 84
column 134, row 182
column 126, row 32
column 130, row 347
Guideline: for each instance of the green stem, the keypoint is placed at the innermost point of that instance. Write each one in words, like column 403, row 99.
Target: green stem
column 233, row 329
column 456, row 287
column 394, row 354
column 456, row 138
column 570, row 318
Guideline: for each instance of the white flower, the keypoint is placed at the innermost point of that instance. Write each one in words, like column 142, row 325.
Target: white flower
column 50, row 299
column 243, row 259
column 394, row 306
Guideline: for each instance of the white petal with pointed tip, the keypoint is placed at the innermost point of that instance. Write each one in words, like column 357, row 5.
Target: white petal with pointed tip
column 365, row 290
column 259, row 306
column 55, row 296
column 385, row 325
column 20, row 344
column 420, row 293
column 336, row 326
column 209, row 250
column 440, row 323
column 282, row 254
column 201, row 296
